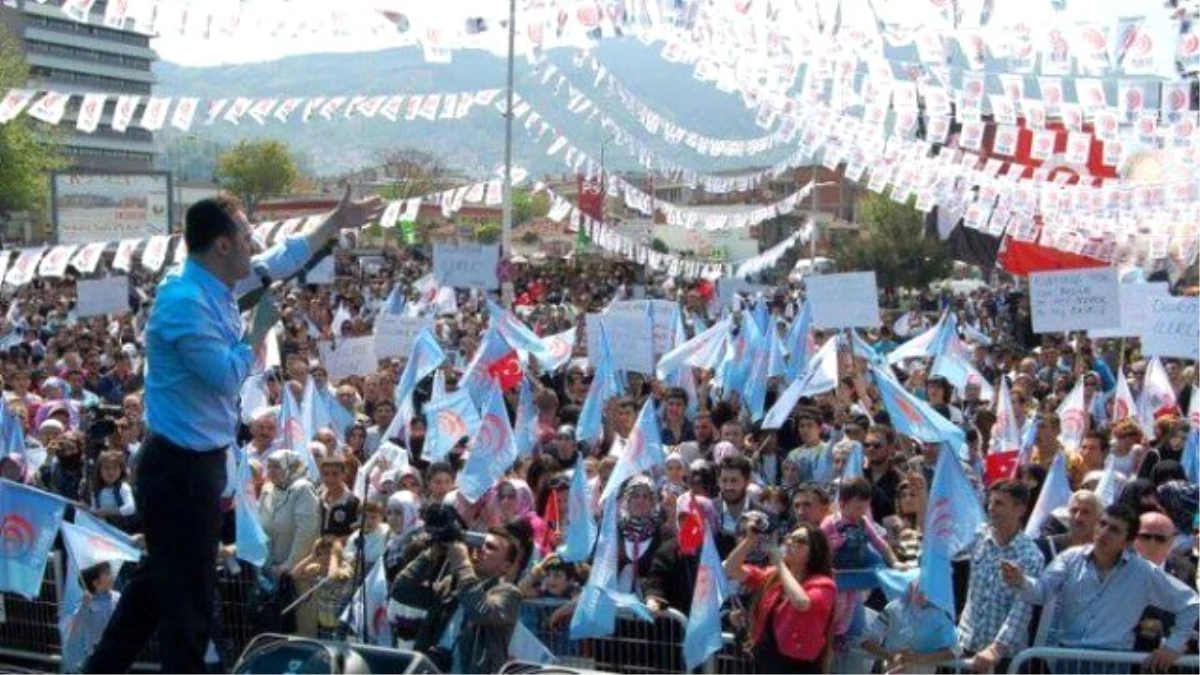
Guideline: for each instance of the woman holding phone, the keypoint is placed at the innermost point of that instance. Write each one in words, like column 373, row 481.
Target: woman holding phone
column 791, row 612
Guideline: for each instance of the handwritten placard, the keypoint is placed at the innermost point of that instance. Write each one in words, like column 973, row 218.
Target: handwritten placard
column 630, row 340
column 395, row 334
column 662, row 319
column 1173, row 328
column 1075, row 300
column 847, row 300
column 466, row 265
column 1135, row 309
column 96, row 297
column 350, row 356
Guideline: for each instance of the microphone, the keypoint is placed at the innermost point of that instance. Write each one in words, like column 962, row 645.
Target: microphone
column 260, row 270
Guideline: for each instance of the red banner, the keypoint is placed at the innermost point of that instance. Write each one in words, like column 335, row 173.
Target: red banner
column 590, row 197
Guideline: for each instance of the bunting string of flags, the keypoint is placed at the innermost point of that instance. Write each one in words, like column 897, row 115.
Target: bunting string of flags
column 153, row 113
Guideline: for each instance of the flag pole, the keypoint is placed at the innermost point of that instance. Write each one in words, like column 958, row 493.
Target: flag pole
column 507, row 217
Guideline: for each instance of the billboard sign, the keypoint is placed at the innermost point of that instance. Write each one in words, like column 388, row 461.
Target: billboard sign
column 93, row 206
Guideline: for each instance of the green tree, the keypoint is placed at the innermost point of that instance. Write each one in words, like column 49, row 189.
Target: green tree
column 527, row 206
column 411, row 173
column 659, row 246
column 487, row 233
column 253, row 170
column 29, row 150
column 892, row 242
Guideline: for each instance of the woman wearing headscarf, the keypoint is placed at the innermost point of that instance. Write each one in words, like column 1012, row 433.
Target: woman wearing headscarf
column 290, row 512
column 639, row 534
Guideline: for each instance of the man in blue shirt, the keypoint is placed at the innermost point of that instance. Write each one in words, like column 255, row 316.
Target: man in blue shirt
column 198, row 355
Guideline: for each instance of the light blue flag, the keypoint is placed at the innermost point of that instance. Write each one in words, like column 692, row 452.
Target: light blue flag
column 677, row 322
column 581, row 525
column 447, row 421
column 293, row 436
column 1108, row 487
column 559, row 348
column 1056, row 493
column 1191, row 457
column 87, row 546
column 702, row 637
column 94, row 524
column 642, row 453
column 798, row 337
column 894, row 583
column 477, row 378
column 527, row 421
column 29, row 522
column 340, row 419
column 921, row 346
column 777, row 363
column 606, row 384
column 820, row 376
column 762, row 316
column 703, row 351
column 915, row 418
column 596, row 610
column 975, row 335
column 862, row 349
column 754, row 389
column 251, row 541
column 739, row 356
column 425, row 358
column 395, row 301
column 952, row 519
column 854, row 462
column 314, row 416
column 492, row 450
column 519, row 336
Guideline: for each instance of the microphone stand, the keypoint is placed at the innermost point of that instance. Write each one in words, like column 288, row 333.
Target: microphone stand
column 360, row 559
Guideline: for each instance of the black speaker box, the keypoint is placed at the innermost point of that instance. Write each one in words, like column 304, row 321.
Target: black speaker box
column 270, row 653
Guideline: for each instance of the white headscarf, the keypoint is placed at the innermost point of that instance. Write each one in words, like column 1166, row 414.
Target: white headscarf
column 411, row 506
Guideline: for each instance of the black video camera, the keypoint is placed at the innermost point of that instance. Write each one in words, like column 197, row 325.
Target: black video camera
column 443, row 523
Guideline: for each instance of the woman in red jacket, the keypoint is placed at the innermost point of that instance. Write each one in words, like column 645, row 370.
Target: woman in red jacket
column 791, row 614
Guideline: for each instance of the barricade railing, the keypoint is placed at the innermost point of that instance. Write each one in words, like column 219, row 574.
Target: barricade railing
column 1064, row 660
column 734, row 658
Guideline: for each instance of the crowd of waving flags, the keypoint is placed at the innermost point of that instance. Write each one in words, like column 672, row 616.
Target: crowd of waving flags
column 744, row 348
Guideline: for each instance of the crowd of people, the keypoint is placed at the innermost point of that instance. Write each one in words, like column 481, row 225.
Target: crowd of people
column 1113, row 569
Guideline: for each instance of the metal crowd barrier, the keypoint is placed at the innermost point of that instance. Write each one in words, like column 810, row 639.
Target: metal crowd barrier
column 1059, row 660
column 29, row 628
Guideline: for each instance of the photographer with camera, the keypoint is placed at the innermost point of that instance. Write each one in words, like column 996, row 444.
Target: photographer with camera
column 470, row 594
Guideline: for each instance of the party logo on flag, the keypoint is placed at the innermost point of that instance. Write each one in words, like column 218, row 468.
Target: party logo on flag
column 493, row 435
column 1074, row 422
column 451, row 424
column 17, row 536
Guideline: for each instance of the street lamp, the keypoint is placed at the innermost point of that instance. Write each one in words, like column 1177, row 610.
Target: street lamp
column 603, row 177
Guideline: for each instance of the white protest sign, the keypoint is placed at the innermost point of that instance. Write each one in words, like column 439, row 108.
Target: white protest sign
column 322, row 273
column 395, row 334
column 1172, row 328
column 96, row 297
column 466, row 265
column 1075, row 300
column 350, row 356
column 1135, row 309
column 847, row 300
column 629, row 340
column 662, row 319
column 728, row 288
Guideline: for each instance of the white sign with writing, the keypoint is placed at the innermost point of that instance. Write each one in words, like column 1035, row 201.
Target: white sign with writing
column 662, row 318
column 1075, row 300
column 1135, row 309
column 1173, row 328
column 466, row 265
column 95, row 297
column 350, row 356
column 847, row 300
column 395, row 334
column 630, row 340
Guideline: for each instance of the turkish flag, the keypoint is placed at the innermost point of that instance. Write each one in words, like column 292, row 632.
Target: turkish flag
column 507, row 371
column 550, row 517
column 691, row 533
column 1000, row 465
column 590, row 197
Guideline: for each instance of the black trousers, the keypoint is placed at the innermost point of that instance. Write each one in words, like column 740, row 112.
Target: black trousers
column 173, row 589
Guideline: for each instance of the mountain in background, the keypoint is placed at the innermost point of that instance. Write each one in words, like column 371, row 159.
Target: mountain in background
column 474, row 145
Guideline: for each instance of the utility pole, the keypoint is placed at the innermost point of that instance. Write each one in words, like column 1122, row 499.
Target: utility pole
column 507, row 218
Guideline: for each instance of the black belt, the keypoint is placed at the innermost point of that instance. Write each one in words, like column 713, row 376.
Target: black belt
column 159, row 439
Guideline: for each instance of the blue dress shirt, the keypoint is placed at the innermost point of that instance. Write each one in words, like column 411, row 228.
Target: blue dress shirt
column 196, row 361
column 1103, row 613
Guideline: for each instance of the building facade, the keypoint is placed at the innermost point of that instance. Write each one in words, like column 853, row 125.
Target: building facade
column 78, row 58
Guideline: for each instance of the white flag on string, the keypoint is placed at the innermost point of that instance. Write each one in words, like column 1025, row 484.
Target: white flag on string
column 50, row 108
column 90, row 112
column 185, row 113
column 155, row 113
column 123, row 113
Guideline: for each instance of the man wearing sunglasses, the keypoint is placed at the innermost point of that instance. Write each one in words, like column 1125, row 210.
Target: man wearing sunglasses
column 1104, row 588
